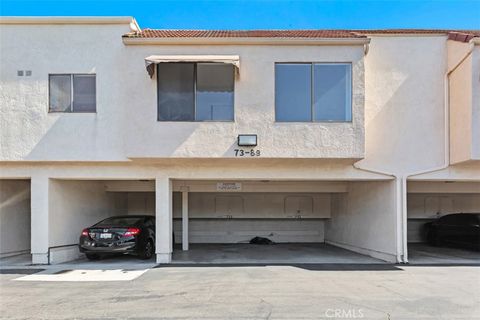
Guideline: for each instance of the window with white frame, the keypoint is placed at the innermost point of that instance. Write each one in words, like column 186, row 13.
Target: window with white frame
column 195, row 91
column 72, row 93
column 313, row 92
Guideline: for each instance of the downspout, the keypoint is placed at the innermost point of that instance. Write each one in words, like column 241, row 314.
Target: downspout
column 446, row 160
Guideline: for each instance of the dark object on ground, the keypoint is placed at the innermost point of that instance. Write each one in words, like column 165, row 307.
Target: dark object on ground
column 261, row 240
column 461, row 229
column 122, row 234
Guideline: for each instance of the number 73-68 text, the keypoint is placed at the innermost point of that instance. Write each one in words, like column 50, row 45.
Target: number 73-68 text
column 246, row 153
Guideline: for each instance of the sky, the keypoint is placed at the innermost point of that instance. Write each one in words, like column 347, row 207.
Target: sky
column 265, row 14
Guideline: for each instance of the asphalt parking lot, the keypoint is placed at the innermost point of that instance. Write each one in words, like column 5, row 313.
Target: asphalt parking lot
column 244, row 292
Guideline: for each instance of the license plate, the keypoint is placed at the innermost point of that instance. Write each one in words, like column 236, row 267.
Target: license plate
column 105, row 235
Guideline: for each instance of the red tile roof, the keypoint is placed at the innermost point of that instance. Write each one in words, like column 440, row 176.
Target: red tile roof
column 152, row 33
column 457, row 35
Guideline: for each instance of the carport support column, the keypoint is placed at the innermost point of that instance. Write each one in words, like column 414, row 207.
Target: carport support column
column 163, row 212
column 185, row 219
column 39, row 219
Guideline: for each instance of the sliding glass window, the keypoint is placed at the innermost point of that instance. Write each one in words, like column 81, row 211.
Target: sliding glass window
column 313, row 92
column 195, row 92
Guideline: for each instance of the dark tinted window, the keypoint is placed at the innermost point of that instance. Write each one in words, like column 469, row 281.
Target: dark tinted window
column 84, row 93
column 120, row 221
column 214, row 92
column 176, row 92
column 195, row 91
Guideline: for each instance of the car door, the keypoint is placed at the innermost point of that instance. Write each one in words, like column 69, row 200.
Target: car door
column 446, row 228
column 469, row 230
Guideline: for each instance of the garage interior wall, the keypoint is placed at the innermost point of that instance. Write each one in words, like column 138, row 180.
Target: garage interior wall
column 364, row 219
column 14, row 217
column 75, row 205
column 426, row 207
column 238, row 217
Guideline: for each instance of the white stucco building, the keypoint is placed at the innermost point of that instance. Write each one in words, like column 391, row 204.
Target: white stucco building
column 362, row 136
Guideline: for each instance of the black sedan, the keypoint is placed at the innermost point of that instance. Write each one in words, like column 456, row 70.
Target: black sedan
column 121, row 234
column 456, row 229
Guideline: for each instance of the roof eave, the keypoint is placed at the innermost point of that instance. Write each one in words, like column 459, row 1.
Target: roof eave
column 475, row 41
column 245, row 40
column 67, row 20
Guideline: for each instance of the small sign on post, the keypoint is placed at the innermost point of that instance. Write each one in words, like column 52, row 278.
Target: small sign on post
column 229, row 186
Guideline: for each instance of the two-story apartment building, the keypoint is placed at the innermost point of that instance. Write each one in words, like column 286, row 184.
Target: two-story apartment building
column 349, row 138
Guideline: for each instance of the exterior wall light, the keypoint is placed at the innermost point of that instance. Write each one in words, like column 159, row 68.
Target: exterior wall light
column 247, row 140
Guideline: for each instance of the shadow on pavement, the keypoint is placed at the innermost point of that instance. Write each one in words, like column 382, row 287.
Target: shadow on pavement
column 305, row 266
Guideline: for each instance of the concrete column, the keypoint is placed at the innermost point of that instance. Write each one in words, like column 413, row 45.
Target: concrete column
column 184, row 220
column 163, row 212
column 39, row 219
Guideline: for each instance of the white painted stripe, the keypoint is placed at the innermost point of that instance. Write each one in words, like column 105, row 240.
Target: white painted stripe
column 83, row 275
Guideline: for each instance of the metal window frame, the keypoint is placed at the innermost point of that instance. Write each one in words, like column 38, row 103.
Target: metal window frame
column 71, row 75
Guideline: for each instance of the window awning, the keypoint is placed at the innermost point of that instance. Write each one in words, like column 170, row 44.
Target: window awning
column 151, row 61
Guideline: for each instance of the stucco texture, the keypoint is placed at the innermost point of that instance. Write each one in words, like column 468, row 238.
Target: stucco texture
column 125, row 124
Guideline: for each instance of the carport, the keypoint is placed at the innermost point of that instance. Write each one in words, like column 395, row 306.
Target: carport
column 426, row 202
column 15, row 220
column 76, row 204
column 309, row 221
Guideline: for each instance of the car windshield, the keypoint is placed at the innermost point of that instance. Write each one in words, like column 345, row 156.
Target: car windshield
column 120, row 221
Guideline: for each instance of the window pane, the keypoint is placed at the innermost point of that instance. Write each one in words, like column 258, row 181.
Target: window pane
column 84, row 93
column 175, row 91
column 214, row 91
column 293, row 92
column 59, row 90
column 332, row 92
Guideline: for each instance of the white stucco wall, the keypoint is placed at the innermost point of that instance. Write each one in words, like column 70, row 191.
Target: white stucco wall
column 404, row 103
column 28, row 131
column 476, row 102
column 254, row 108
column 364, row 220
column 461, row 112
column 125, row 124
column 464, row 95
column 14, row 216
